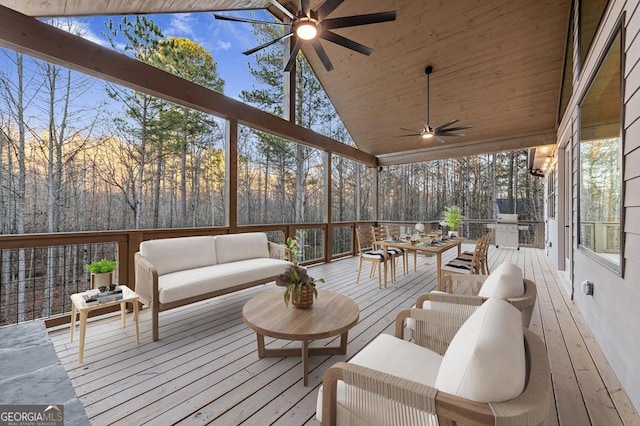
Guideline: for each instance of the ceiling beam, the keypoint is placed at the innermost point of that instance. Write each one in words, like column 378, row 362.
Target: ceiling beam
column 118, row 7
column 463, row 149
column 29, row 36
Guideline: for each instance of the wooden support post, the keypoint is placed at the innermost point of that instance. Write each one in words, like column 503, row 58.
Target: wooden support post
column 231, row 167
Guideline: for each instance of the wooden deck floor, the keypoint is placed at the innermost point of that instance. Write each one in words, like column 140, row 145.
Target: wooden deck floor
column 205, row 369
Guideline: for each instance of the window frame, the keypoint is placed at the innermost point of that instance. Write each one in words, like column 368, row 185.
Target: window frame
column 618, row 31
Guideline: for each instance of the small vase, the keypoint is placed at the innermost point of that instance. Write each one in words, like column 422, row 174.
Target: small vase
column 306, row 297
column 101, row 280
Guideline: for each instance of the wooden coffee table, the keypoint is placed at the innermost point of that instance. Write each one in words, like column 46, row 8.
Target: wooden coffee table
column 332, row 314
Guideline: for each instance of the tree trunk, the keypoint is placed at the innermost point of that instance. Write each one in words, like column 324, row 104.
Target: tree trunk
column 184, row 214
column 158, row 183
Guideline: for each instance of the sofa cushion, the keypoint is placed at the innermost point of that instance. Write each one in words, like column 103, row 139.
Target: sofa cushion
column 234, row 247
column 504, row 282
column 177, row 254
column 485, row 361
column 195, row 282
column 393, row 356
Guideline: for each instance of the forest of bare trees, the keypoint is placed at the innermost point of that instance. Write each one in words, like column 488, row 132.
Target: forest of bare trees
column 79, row 154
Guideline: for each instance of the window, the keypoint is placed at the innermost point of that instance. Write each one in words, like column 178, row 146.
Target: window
column 600, row 151
column 551, row 194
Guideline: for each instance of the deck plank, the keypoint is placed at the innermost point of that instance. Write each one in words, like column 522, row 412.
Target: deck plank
column 205, row 368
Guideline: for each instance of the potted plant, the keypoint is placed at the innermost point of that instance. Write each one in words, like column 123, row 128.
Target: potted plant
column 102, row 272
column 300, row 288
column 453, row 218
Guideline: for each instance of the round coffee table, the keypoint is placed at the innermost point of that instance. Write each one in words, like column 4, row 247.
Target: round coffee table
column 332, row 314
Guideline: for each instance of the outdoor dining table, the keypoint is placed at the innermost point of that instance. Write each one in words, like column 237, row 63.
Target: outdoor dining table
column 437, row 248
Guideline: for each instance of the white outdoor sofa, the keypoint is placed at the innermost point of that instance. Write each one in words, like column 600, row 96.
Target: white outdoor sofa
column 174, row 272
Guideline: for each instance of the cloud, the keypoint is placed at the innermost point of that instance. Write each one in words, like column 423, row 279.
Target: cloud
column 222, row 45
column 181, row 24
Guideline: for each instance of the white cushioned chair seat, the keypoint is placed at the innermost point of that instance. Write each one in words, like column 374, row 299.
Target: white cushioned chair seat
column 373, row 254
column 485, row 361
column 194, row 282
column 393, row 356
column 234, row 247
column 177, row 254
column 504, row 282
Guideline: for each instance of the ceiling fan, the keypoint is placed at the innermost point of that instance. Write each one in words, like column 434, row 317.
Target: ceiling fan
column 443, row 130
column 312, row 25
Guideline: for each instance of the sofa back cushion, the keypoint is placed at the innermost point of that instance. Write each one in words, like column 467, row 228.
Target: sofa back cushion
column 485, row 361
column 234, row 247
column 504, row 282
column 178, row 254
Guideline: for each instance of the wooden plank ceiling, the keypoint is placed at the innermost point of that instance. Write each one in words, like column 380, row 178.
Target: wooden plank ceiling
column 496, row 66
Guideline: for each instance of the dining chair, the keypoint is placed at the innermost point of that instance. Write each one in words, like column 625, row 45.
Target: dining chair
column 380, row 233
column 484, row 255
column 369, row 253
column 393, row 230
column 464, row 266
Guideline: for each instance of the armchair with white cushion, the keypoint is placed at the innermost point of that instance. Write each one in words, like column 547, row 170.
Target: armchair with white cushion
column 481, row 369
column 505, row 282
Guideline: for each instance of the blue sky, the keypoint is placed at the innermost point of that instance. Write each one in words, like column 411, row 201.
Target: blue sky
column 223, row 39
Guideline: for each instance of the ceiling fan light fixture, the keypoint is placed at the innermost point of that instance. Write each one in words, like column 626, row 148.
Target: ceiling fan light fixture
column 306, row 29
column 427, row 135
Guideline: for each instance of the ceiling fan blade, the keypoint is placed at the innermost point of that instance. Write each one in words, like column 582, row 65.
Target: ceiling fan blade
column 345, row 42
column 250, row 21
column 282, row 9
column 322, row 54
column 354, row 21
column 409, row 130
column 447, row 124
column 328, row 7
column 413, row 135
column 294, row 54
column 304, row 6
column 267, row 44
column 453, row 129
column 438, row 139
column 448, row 134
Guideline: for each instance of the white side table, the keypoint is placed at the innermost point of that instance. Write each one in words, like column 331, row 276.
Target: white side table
column 78, row 305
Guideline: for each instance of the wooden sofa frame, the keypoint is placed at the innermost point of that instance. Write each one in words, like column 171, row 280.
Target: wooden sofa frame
column 145, row 270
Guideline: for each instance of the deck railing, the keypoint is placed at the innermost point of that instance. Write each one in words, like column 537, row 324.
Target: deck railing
column 38, row 272
column 472, row 229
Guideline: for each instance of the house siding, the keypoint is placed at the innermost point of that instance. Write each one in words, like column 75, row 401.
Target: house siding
column 613, row 311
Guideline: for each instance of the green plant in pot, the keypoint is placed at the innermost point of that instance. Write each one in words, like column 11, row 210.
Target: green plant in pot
column 300, row 288
column 102, row 272
column 453, row 218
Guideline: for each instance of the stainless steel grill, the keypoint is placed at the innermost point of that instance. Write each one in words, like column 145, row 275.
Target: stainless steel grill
column 507, row 230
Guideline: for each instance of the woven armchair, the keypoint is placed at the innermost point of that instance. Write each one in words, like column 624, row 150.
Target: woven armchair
column 375, row 397
column 524, row 303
